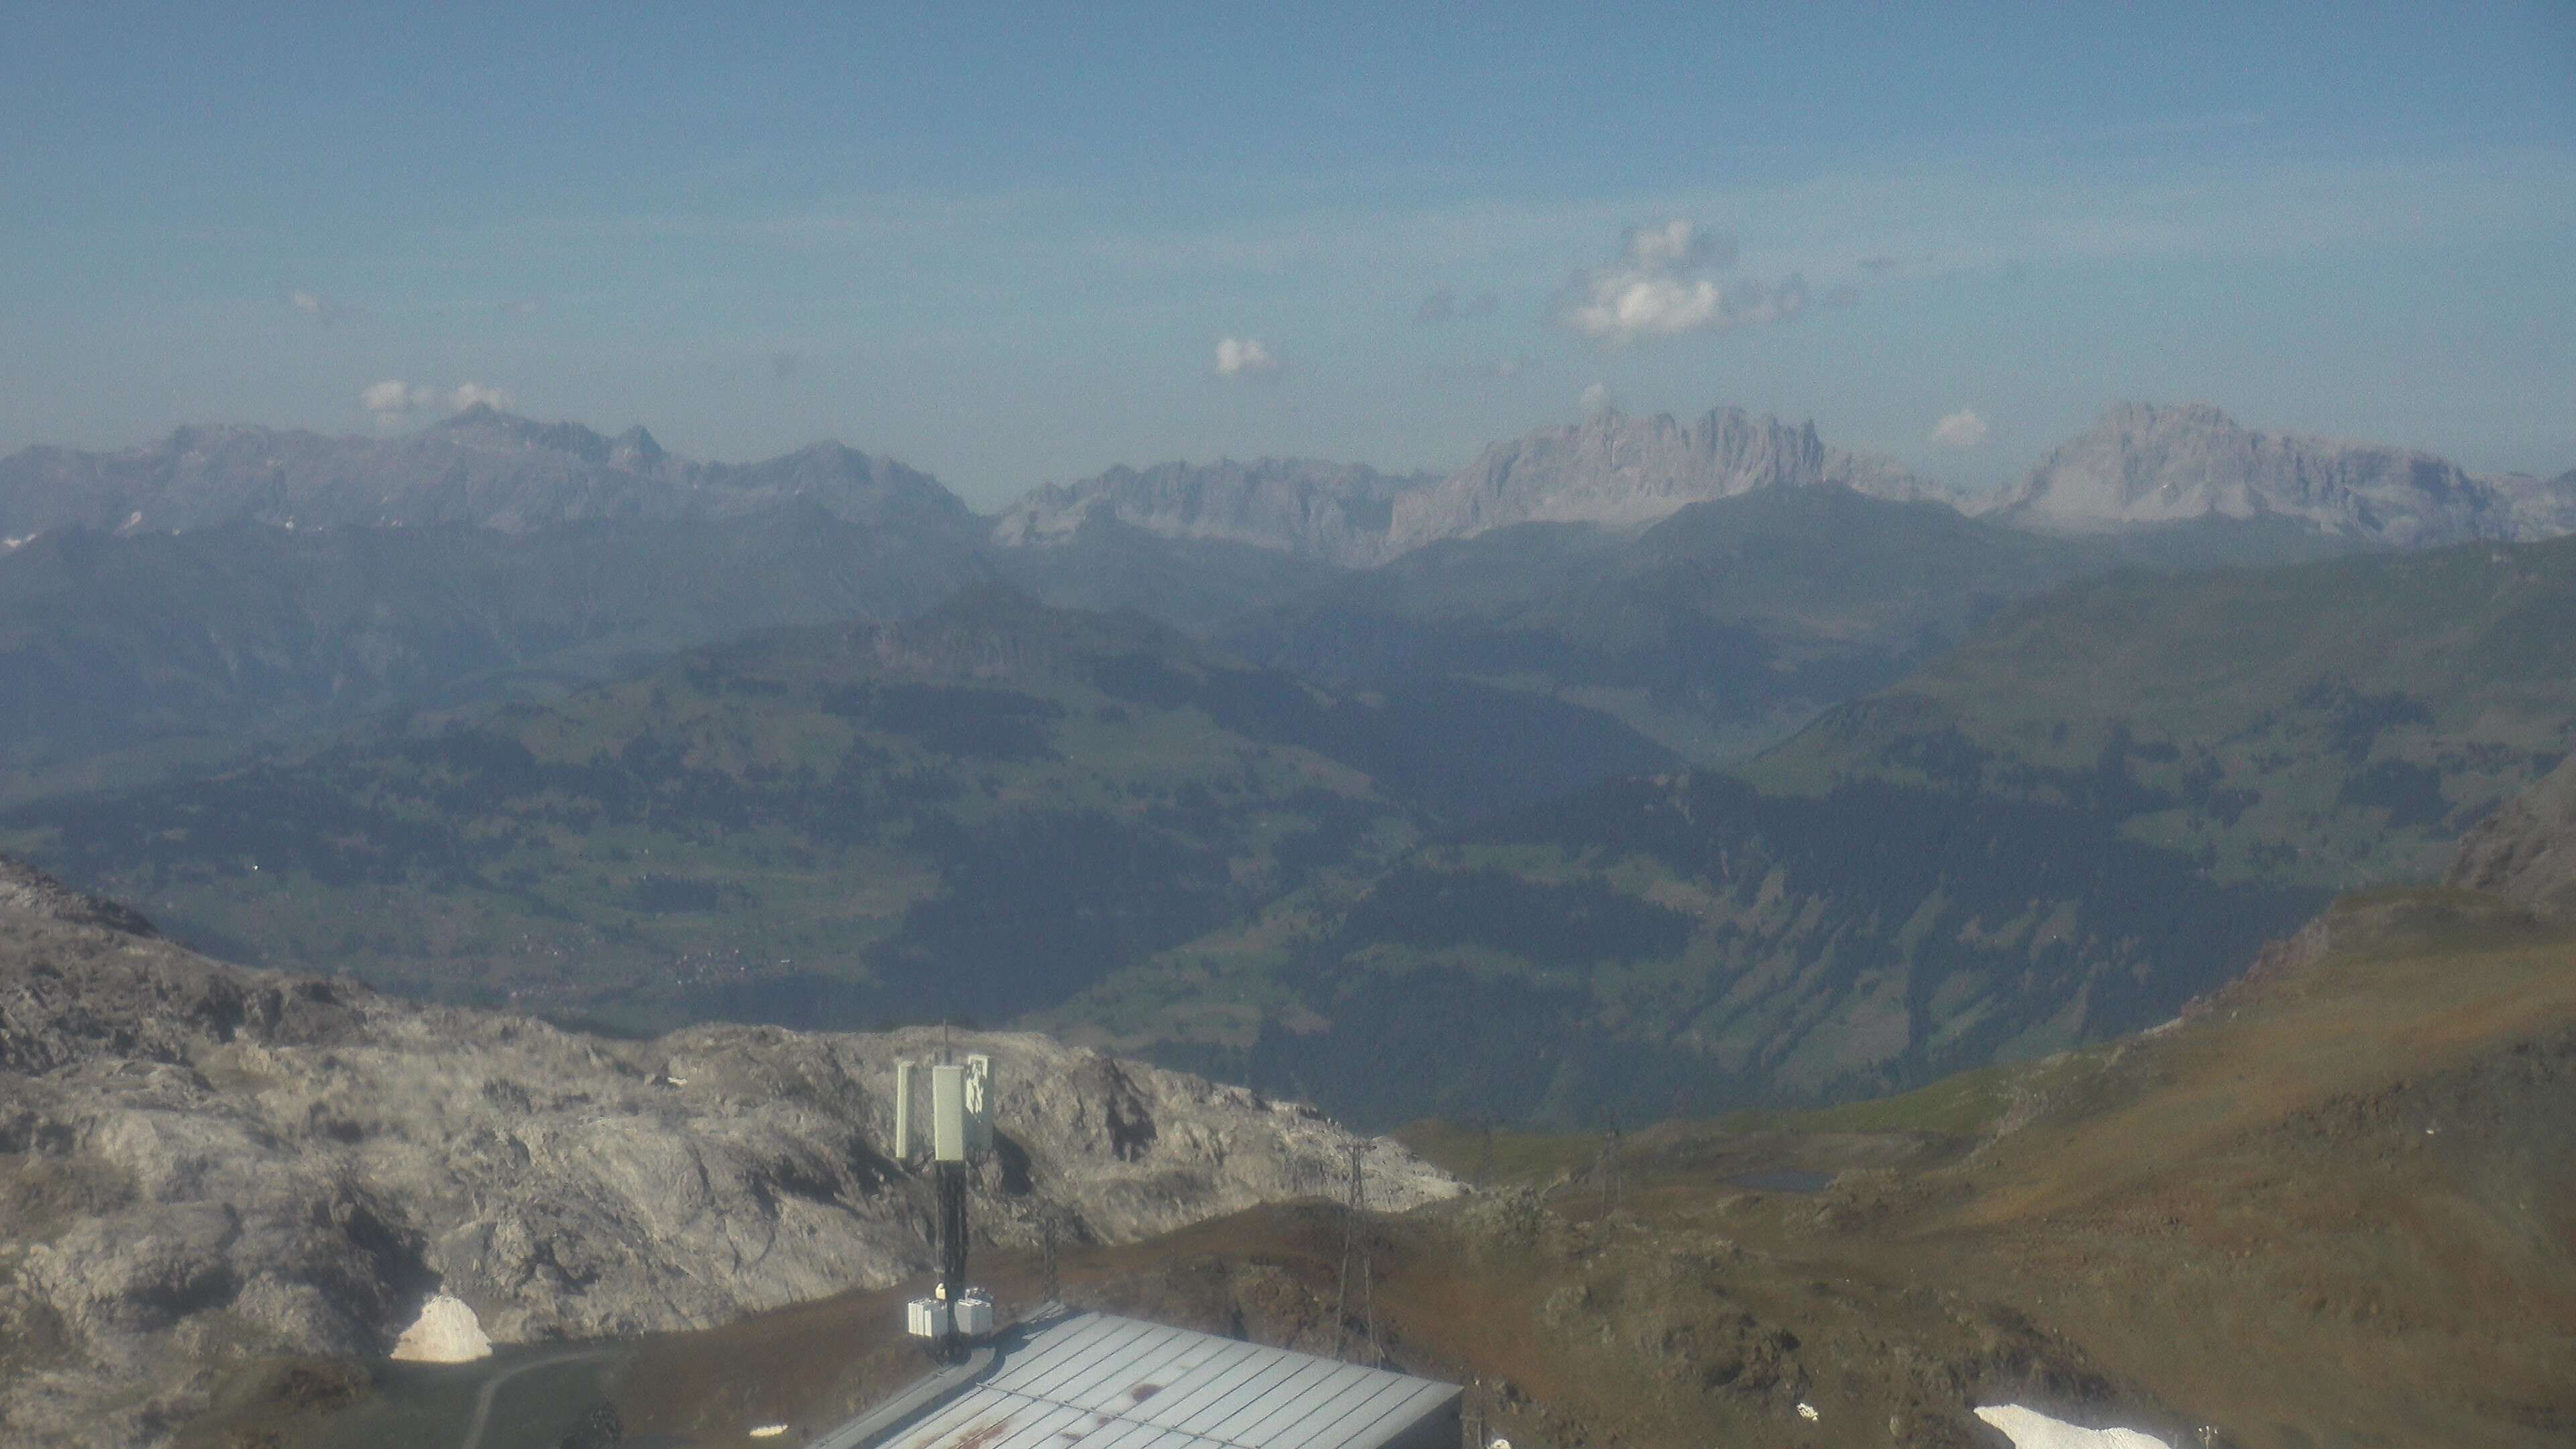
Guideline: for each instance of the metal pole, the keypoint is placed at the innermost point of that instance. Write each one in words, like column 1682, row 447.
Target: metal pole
column 952, row 1248
column 1350, row 1250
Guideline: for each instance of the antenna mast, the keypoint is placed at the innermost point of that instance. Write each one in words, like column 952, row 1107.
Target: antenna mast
column 1351, row 1209
column 961, row 1125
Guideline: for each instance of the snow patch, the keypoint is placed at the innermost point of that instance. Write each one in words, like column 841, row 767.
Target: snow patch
column 2031, row 1429
column 446, row 1332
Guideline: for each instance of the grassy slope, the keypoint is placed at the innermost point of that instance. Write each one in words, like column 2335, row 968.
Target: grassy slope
column 1718, row 629
column 2334, row 724
column 968, row 815
column 2093, row 809
column 1688, row 945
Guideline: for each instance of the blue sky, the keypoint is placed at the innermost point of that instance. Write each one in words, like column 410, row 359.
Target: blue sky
column 1007, row 243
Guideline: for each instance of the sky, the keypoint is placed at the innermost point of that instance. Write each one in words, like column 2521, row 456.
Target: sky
column 1015, row 244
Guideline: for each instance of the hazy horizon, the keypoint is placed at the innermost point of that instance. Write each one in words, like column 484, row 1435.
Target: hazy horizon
column 1009, row 253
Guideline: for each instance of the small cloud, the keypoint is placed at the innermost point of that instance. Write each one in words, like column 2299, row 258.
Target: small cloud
column 1597, row 399
column 322, row 307
column 395, row 402
column 1244, row 357
column 782, row 366
column 520, row 307
column 1878, row 262
column 1663, row 285
column 1962, row 429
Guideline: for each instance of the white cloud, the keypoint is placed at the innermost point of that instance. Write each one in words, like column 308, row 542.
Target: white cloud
column 1962, row 429
column 1244, row 357
column 1679, row 245
column 395, row 402
column 1596, row 399
column 1664, row 285
column 320, row 306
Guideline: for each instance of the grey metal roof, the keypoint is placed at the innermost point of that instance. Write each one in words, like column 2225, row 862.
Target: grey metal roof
column 1118, row 1383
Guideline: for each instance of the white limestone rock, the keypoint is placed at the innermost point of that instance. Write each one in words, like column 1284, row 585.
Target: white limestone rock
column 446, row 1332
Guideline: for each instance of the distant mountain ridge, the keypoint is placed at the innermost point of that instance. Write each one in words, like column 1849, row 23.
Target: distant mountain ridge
column 2139, row 465
column 2144, row 464
column 483, row 467
column 1335, row 512
column 1625, row 471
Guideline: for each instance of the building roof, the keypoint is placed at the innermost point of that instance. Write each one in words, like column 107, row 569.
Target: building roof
column 1119, row 1383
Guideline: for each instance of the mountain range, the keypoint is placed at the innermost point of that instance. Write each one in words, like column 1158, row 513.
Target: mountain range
column 1338, row 513
column 2148, row 465
column 518, row 712
column 224, row 583
column 482, row 468
column 2140, row 464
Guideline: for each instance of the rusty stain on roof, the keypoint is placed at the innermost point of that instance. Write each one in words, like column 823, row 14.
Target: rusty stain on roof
column 978, row 1437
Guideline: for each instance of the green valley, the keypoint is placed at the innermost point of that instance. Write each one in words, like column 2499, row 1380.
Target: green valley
column 968, row 815
column 2328, row 725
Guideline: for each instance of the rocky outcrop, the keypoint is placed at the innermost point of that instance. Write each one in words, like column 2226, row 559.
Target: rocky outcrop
column 2148, row 464
column 200, row 1165
column 1624, row 471
column 1335, row 513
column 2526, row 851
column 482, row 468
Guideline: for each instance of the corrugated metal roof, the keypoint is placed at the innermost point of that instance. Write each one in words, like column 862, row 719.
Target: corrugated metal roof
column 1118, row 1383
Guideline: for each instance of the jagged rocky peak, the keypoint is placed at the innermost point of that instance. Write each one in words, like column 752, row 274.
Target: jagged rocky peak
column 1336, row 512
column 486, row 426
column 1620, row 470
column 635, row 448
column 2144, row 463
column 2526, row 851
column 861, row 487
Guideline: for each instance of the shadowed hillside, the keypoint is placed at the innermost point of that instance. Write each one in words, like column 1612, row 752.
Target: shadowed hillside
column 969, row 815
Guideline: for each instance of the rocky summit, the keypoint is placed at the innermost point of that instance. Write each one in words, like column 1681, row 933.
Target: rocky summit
column 203, row 1166
column 2149, row 464
column 1623, row 471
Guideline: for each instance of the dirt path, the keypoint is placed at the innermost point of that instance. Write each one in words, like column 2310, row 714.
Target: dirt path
column 491, row 1387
